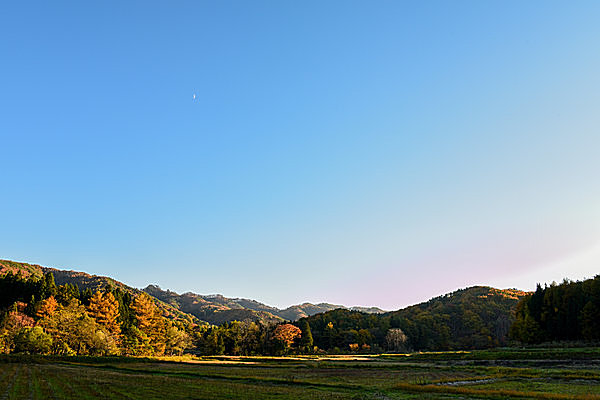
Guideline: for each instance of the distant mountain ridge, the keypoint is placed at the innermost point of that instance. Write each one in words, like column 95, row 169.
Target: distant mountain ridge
column 218, row 308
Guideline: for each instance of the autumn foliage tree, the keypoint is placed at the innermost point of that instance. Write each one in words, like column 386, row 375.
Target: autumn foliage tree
column 176, row 341
column 104, row 308
column 287, row 334
column 11, row 325
column 47, row 307
column 32, row 340
column 37, row 316
column 73, row 332
column 149, row 321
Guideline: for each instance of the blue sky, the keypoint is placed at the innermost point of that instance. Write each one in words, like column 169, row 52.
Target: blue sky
column 373, row 153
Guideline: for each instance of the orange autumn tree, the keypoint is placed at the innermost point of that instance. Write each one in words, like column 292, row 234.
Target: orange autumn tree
column 287, row 333
column 104, row 308
column 150, row 321
column 47, row 307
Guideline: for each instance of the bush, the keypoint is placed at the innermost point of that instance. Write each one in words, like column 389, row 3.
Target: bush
column 33, row 341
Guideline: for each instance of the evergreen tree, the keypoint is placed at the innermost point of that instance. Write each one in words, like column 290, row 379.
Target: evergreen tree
column 67, row 292
column 86, row 295
column 126, row 314
column 214, row 343
column 569, row 311
column 136, row 343
column 590, row 321
column 48, row 286
column 31, row 306
column 306, row 340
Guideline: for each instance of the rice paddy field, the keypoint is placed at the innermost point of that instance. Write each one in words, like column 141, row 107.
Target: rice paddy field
column 499, row 374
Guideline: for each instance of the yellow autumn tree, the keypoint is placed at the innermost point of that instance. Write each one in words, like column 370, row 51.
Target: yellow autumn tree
column 150, row 321
column 104, row 308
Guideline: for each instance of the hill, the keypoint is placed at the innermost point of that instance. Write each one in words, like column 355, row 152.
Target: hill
column 476, row 317
column 213, row 309
column 86, row 281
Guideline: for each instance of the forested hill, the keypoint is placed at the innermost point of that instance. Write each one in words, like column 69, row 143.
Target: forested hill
column 476, row 317
column 86, row 282
column 471, row 318
column 81, row 279
column 213, row 309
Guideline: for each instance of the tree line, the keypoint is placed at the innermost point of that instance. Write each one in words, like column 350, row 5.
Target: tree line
column 473, row 318
column 569, row 311
column 39, row 317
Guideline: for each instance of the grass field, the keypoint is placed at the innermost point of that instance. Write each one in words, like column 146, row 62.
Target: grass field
column 501, row 374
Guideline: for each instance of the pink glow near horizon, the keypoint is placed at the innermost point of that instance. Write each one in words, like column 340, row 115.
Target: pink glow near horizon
column 503, row 259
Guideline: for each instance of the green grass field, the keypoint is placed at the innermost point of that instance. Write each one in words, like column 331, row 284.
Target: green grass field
column 502, row 374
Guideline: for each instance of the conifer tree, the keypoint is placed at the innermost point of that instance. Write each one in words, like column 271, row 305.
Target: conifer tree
column 48, row 286
column 149, row 321
column 306, row 340
column 67, row 292
column 126, row 314
column 590, row 321
column 86, row 295
column 104, row 308
column 31, row 306
column 47, row 307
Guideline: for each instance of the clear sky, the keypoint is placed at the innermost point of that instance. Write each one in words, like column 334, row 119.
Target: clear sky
column 363, row 153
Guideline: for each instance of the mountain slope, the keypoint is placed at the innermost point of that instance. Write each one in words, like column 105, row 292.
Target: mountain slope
column 475, row 317
column 293, row 313
column 26, row 270
column 214, row 309
column 86, row 281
